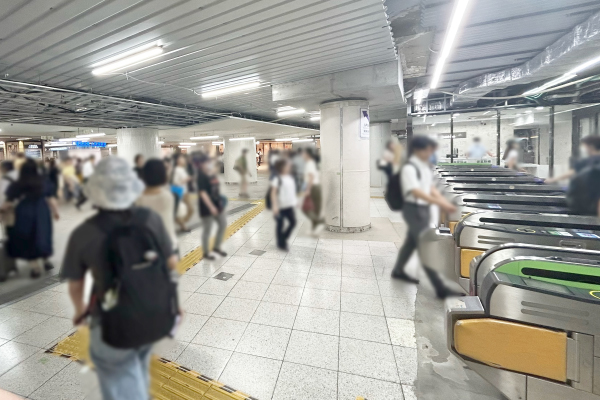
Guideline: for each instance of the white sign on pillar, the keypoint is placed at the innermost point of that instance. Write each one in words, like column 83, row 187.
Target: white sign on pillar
column 364, row 123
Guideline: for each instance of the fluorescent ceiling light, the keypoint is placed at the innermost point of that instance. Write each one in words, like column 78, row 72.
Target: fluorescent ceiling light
column 111, row 145
column 125, row 54
column 73, row 139
column 217, row 143
column 124, row 62
column 528, row 111
column 59, row 148
column 315, row 118
column 539, row 108
column 231, row 89
column 584, row 66
column 460, row 6
column 420, row 94
column 547, row 85
column 204, row 137
column 53, row 144
column 89, row 135
column 24, row 138
column 295, row 111
column 257, row 142
column 160, row 142
column 241, row 138
column 286, row 139
column 185, row 147
column 302, row 140
column 187, row 144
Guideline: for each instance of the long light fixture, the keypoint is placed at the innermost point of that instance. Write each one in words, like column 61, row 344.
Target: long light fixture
column 54, row 144
column 231, row 89
column 204, row 137
column 302, row 140
column 286, row 139
column 187, row 144
column 184, row 147
column 161, row 142
column 241, row 138
column 217, row 143
column 75, row 139
column 111, row 145
column 296, row 111
column 547, row 85
column 24, row 138
column 89, row 135
column 460, row 7
column 124, row 61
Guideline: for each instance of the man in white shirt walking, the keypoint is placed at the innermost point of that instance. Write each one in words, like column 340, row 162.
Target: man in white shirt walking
column 87, row 170
column 419, row 193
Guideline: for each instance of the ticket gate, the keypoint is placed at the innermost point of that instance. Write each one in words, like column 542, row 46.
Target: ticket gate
column 500, row 179
column 504, row 188
column 531, row 326
column 467, row 203
column 489, row 172
column 451, row 253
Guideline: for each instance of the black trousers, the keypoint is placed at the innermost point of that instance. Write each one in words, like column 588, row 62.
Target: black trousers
column 284, row 234
column 417, row 217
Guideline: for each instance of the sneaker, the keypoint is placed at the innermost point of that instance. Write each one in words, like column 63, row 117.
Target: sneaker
column 220, row 252
column 209, row 257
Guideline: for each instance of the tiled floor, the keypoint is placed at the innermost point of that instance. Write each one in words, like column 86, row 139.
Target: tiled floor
column 322, row 321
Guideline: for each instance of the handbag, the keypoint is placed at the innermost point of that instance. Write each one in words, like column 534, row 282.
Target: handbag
column 308, row 205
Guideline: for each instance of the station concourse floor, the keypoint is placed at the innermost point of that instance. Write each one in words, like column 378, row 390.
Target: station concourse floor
column 323, row 321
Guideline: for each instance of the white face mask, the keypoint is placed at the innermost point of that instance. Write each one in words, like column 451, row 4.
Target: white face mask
column 583, row 152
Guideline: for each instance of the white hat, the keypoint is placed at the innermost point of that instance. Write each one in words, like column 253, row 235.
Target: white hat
column 113, row 185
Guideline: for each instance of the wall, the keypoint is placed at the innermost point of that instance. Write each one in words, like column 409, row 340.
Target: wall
column 379, row 135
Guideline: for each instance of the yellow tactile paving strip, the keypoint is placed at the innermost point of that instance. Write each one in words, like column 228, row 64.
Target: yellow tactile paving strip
column 169, row 381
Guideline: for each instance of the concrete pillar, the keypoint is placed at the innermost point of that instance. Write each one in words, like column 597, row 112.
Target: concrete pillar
column 345, row 166
column 133, row 141
column 232, row 151
column 380, row 134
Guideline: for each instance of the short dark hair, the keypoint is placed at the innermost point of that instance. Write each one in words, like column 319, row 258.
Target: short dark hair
column 280, row 165
column 137, row 157
column 592, row 141
column 420, row 143
column 154, row 173
column 477, row 139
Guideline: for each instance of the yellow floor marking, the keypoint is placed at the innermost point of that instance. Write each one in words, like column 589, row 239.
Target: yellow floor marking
column 168, row 380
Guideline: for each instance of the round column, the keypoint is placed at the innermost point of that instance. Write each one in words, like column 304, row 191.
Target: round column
column 133, row 141
column 232, row 150
column 345, row 169
column 380, row 134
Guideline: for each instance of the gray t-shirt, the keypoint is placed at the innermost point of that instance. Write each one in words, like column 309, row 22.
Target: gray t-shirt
column 85, row 247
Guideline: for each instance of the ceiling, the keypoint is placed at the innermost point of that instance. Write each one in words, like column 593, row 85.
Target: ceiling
column 499, row 34
column 207, row 44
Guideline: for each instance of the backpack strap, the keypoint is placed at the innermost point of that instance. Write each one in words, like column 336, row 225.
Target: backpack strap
column 416, row 169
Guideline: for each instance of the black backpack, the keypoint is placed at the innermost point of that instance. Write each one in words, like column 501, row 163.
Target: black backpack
column 136, row 298
column 393, row 192
column 268, row 195
column 584, row 191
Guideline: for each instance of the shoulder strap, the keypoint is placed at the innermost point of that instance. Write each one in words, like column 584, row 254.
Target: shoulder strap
column 416, row 169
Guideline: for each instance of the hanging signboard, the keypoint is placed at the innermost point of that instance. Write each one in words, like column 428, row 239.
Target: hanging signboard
column 364, row 123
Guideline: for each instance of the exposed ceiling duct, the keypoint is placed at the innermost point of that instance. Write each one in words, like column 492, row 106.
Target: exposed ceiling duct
column 575, row 47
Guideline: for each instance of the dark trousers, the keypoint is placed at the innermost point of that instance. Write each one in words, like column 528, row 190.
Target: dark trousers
column 82, row 199
column 284, row 234
column 417, row 218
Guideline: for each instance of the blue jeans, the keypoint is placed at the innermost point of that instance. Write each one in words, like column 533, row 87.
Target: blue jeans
column 122, row 373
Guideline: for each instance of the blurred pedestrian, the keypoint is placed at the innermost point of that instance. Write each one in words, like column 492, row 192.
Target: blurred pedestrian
column 71, row 184
column 180, row 180
column 19, row 161
column 419, row 193
column 139, row 162
column 241, row 166
column 133, row 304
column 211, row 207
column 9, row 175
column 87, row 169
column 30, row 237
column 283, row 201
column 590, row 156
column 313, row 197
column 477, row 150
column 298, row 169
column 511, row 155
column 157, row 195
column 54, row 176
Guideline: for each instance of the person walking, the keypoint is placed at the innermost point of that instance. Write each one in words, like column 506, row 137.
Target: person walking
column 419, row 193
column 283, row 202
column 180, row 180
column 138, row 162
column 130, row 256
column 511, row 155
column 313, row 197
column 87, row 169
column 211, row 207
column 241, row 166
column 54, row 176
column 158, row 197
column 30, row 237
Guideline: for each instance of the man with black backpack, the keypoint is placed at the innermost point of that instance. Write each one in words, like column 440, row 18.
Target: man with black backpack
column 134, row 301
column 419, row 194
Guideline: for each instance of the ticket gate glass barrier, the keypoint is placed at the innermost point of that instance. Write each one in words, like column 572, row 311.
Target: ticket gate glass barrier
column 505, row 188
column 451, row 253
column 533, row 330
column 495, row 172
column 507, row 180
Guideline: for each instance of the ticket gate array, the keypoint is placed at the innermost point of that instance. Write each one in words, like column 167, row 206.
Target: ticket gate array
column 530, row 325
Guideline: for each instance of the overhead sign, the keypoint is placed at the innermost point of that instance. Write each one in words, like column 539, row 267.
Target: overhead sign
column 32, row 146
column 364, row 123
column 89, row 145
